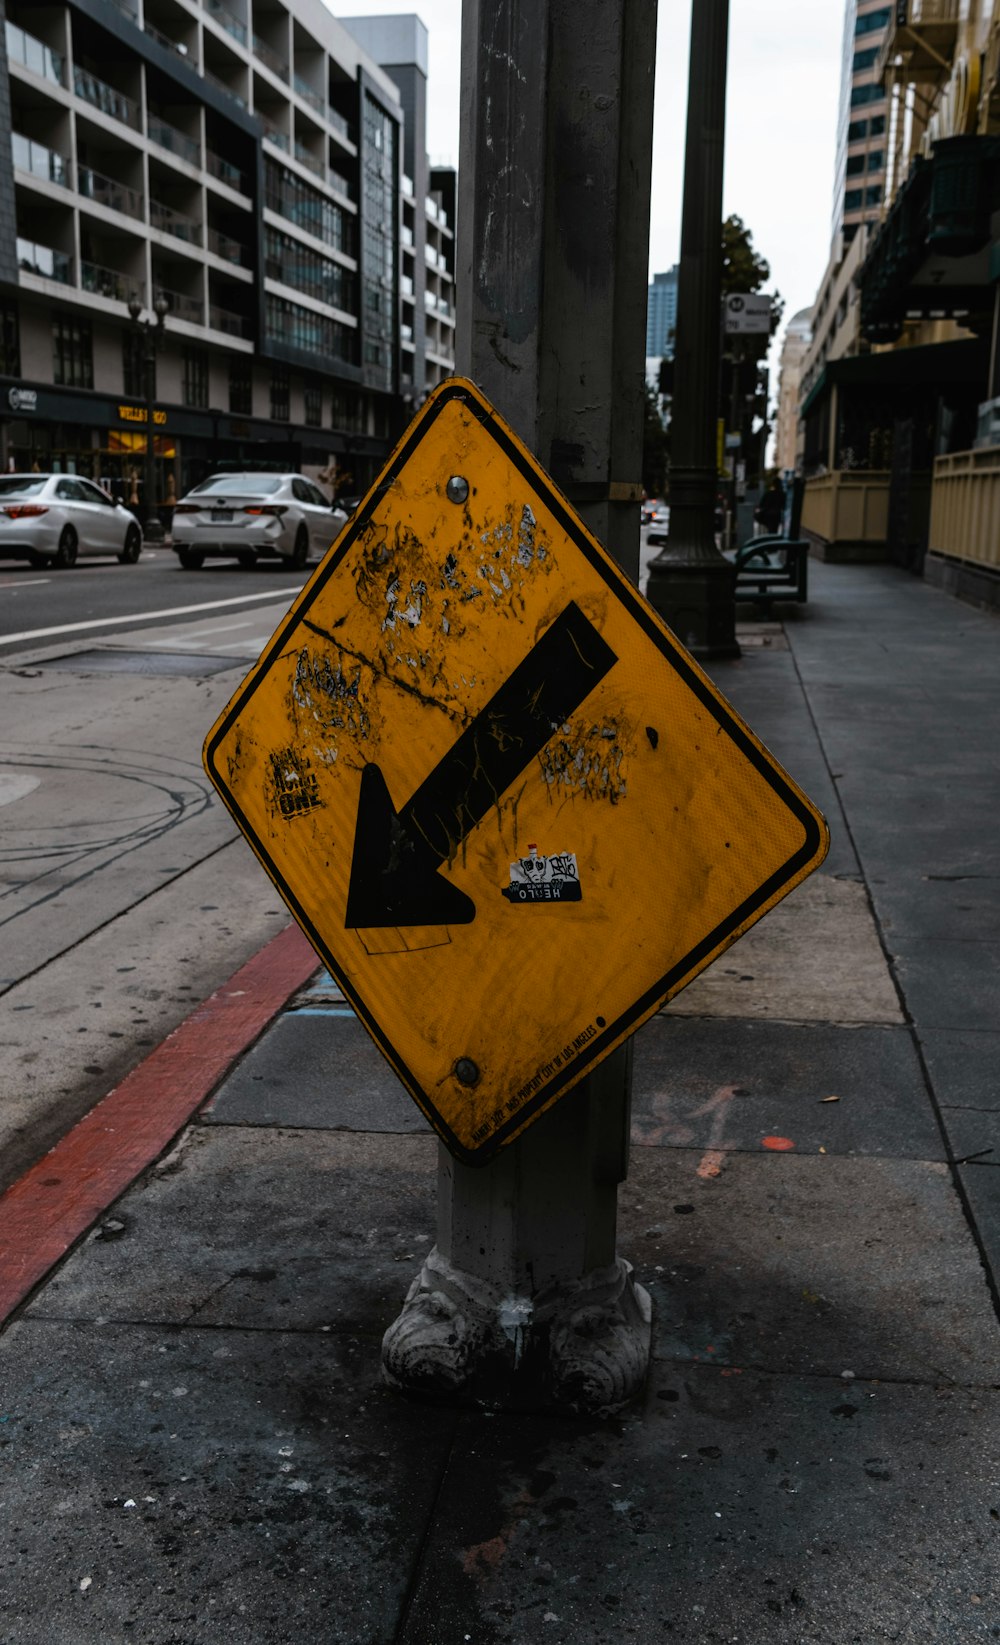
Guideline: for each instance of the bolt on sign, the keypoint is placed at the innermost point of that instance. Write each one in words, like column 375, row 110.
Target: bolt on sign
column 506, row 806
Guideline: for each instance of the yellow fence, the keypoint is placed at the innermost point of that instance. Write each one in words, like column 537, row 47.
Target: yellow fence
column 965, row 507
column 849, row 506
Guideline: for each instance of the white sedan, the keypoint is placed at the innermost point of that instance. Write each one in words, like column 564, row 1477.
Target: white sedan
column 245, row 517
column 50, row 518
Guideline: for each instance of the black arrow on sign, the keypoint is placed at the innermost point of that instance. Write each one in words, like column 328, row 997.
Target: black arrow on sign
column 397, row 854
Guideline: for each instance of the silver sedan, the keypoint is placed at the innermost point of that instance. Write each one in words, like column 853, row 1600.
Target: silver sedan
column 248, row 516
column 50, row 518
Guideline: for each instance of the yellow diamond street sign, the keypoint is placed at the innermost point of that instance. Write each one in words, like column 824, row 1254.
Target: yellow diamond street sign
column 506, row 806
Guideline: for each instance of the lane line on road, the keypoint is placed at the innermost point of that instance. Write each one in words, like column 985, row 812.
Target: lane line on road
column 145, row 616
column 47, row 1210
column 33, row 582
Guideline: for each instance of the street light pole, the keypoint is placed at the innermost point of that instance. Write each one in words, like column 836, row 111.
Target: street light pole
column 691, row 584
column 147, row 335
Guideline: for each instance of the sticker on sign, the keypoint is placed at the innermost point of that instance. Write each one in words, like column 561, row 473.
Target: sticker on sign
column 510, row 811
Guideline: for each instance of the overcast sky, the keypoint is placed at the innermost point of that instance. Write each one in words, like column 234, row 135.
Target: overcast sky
column 784, row 73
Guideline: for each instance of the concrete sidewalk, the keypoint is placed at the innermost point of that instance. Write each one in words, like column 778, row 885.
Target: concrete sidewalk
column 197, row 1447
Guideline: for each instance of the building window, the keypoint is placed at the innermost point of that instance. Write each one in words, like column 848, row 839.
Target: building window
column 72, row 353
column 873, row 20
column 133, row 373
column 864, row 59
column 241, row 385
column 855, row 164
column 378, row 244
column 873, row 93
column 303, row 205
column 313, row 405
column 877, row 125
column 876, row 159
column 307, row 270
column 349, row 411
column 873, row 196
column 852, row 199
column 303, row 328
column 856, row 130
column 280, row 406
column 195, row 388
column 10, row 342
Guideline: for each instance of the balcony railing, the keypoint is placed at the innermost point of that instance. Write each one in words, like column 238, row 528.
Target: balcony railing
column 108, row 282
column 105, row 191
column 311, row 96
column 225, row 171
column 164, row 39
column 35, row 55
column 177, row 223
column 166, row 136
column 184, row 308
column 340, row 183
column 127, row 9
column 270, row 58
column 340, row 125
column 107, row 98
column 227, row 20
column 39, row 160
column 280, row 139
column 223, row 319
column 44, row 260
column 221, row 85
column 407, row 186
column 230, row 250
column 406, row 235
column 306, row 159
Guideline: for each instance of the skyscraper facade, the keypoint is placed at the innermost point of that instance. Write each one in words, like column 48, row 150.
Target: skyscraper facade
column 862, row 135
column 661, row 314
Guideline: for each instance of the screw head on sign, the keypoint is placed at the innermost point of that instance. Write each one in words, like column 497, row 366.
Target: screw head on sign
column 457, row 489
column 467, row 1071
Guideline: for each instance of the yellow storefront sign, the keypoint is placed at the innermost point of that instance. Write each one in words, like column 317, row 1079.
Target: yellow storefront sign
column 507, row 807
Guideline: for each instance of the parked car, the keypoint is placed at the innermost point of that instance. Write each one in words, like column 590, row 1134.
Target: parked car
column 650, row 509
column 248, row 517
column 50, row 518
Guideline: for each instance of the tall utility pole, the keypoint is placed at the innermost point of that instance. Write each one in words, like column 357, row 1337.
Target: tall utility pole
column 524, row 1301
column 690, row 583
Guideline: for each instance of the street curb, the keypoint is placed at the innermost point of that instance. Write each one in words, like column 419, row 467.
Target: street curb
column 47, row 1210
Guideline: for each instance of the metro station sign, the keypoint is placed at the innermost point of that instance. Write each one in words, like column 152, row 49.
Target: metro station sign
column 507, row 807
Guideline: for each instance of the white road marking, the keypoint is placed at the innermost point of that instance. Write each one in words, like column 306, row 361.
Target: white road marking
column 28, row 582
column 273, row 594
column 223, row 628
column 14, row 788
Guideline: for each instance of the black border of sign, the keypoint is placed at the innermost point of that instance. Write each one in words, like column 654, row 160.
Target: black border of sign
column 459, row 389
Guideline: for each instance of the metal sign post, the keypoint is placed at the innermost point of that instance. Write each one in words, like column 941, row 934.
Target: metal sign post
column 470, row 743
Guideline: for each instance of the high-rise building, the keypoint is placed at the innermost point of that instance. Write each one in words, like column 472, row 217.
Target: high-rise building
column 427, row 269
column 239, row 159
column 661, row 314
column 862, row 137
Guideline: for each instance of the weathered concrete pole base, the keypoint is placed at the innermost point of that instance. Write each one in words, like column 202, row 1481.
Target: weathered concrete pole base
column 582, row 1350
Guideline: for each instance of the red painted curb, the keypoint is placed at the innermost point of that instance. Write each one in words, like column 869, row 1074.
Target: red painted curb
column 56, row 1201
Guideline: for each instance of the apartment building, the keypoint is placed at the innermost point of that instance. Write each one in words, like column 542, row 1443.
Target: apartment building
column 236, row 164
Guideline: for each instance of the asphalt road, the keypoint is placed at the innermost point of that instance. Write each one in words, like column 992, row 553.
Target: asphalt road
column 98, row 597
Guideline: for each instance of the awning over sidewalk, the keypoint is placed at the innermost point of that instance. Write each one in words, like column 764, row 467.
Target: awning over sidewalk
column 934, row 365
column 931, row 256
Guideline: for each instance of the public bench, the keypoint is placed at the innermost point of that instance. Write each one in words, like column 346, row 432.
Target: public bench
column 772, row 569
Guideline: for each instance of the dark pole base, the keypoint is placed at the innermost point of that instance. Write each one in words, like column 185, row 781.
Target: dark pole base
column 697, row 601
column 152, row 531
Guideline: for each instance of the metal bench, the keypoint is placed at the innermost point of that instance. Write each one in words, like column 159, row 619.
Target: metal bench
column 772, row 569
